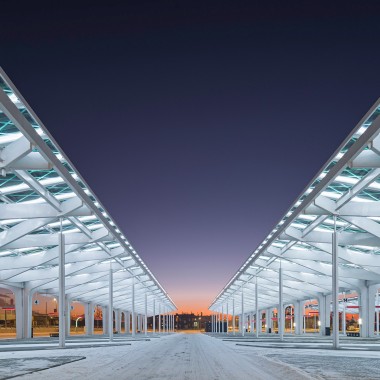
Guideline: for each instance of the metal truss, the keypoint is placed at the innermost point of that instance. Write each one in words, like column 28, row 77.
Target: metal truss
column 345, row 193
column 39, row 190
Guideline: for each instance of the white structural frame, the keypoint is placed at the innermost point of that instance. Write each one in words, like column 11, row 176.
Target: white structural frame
column 326, row 244
column 56, row 238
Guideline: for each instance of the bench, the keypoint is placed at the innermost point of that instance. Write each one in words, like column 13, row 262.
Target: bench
column 356, row 334
column 54, row 335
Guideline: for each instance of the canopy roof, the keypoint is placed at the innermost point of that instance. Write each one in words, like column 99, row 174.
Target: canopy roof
column 39, row 188
column 348, row 186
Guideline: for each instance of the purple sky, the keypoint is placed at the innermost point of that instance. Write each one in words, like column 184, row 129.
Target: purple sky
column 195, row 124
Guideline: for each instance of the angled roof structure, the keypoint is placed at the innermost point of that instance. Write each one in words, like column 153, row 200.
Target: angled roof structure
column 40, row 189
column 346, row 189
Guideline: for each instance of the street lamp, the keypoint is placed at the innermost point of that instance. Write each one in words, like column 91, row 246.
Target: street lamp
column 76, row 323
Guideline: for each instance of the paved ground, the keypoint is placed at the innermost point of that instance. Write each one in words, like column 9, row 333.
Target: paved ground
column 177, row 356
column 188, row 357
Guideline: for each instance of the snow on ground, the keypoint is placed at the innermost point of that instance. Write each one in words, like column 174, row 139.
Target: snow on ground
column 177, row 356
column 195, row 356
column 12, row 367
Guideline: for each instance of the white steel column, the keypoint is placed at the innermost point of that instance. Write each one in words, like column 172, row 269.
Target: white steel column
column 298, row 316
column 86, row 327
column 233, row 316
column 90, row 319
column 242, row 312
column 335, row 288
column 280, row 313
column 227, row 316
column 266, row 321
column 146, row 315
column 105, row 317
column 61, row 282
column 269, row 320
column 19, row 313
column 257, row 307
column 110, row 304
column 344, row 314
column 159, row 318
column 377, row 312
column 118, row 321
column 133, row 308
column 68, row 316
column 128, row 322
column 222, row 327
column 154, row 316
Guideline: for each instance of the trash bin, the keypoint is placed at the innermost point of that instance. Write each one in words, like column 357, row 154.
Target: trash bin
column 327, row 331
column 270, row 330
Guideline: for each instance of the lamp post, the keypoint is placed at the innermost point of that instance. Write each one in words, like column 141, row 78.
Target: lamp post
column 76, row 323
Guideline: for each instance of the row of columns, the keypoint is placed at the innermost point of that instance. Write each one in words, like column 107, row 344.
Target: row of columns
column 23, row 305
column 367, row 306
column 368, row 301
column 133, row 322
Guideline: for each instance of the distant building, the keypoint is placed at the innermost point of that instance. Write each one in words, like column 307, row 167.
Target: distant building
column 190, row 321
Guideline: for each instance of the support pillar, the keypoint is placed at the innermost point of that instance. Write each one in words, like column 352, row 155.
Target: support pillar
column 146, row 315
column 233, row 316
column 68, row 316
column 133, row 308
column 154, row 316
column 324, row 312
column 127, row 322
column 280, row 314
column 377, row 312
column 159, row 318
column 118, row 321
column 298, row 317
column 222, row 326
column 61, row 288
column 227, row 317
column 105, row 316
column 367, row 310
column 257, row 306
column 89, row 318
column 344, row 303
column 335, row 287
column 267, row 321
column 18, row 292
column 242, row 312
